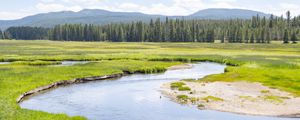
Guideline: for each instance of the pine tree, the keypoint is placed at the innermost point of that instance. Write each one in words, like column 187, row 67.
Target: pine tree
column 223, row 37
column 286, row 37
column 252, row 39
column 271, row 21
column 288, row 17
column 294, row 38
column 268, row 37
column 1, row 35
column 257, row 30
column 246, row 38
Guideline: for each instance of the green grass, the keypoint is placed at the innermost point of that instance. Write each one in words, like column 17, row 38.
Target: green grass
column 184, row 88
column 248, row 98
column 265, row 91
column 180, row 86
column 212, row 98
column 176, row 85
column 36, row 63
column 275, row 99
column 201, row 106
column 182, row 97
column 17, row 79
column 273, row 65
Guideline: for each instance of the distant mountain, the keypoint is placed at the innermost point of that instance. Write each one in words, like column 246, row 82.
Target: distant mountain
column 96, row 16
column 217, row 13
column 87, row 16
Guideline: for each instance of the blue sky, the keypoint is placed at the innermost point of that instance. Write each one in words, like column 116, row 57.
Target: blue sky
column 14, row 9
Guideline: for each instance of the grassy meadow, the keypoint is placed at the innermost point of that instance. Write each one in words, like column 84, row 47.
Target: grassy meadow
column 274, row 65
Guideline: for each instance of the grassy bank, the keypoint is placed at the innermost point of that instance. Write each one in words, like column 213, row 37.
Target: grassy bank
column 17, row 79
column 274, row 65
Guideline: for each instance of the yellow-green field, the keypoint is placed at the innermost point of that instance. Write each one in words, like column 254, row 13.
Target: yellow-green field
column 274, row 65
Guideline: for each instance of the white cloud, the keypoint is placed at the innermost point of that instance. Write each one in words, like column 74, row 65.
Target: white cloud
column 12, row 15
column 47, row 1
column 225, row 0
column 174, row 7
column 52, row 7
column 280, row 9
column 82, row 2
column 294, row 8
column 177, row 7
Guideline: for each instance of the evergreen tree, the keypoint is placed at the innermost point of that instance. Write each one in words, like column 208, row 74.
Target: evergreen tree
column 268, row 37
column 294, row 38
column 246, row 38
column 286, row 37
column 288, row 17
column 252, row 39
column 257, row 30
column 1, row 35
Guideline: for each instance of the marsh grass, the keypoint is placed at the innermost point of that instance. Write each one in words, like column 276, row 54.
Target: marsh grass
column 36, row 63
column 201, row 106
column 273, row 65
column 180, row 86
column 250, row 98
column 265, row 91
column 182, row 98
column 275, row 99
column 176, row 85
column 17, row 79
column 184, row 88
column 212, row 98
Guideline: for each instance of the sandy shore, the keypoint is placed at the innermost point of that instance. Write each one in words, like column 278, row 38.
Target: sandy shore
column 237, row 97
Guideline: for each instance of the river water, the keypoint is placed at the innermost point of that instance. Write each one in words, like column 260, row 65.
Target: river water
column 134, row 97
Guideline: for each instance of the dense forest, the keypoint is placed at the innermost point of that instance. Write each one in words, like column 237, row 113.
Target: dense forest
column 256, row 30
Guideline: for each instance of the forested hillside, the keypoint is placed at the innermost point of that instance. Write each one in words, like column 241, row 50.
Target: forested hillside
column 256, row 30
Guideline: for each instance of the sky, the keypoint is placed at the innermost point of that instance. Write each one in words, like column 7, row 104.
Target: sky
column 15, row 9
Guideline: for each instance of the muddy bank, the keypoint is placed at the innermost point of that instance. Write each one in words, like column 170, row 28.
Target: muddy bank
column 237, row 97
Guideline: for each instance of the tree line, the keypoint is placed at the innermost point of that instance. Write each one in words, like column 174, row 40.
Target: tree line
column 256, row 30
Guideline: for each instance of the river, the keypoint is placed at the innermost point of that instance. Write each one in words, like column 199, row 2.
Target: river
column 134, row 97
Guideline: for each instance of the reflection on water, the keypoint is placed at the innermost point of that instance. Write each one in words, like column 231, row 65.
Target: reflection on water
column 134, row 97
column 4, row 63
column 71, row 63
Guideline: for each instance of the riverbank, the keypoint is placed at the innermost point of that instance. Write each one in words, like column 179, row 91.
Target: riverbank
column 88, row 79
column 236, row 97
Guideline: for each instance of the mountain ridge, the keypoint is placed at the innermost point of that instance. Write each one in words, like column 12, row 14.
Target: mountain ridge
column 99, row 16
